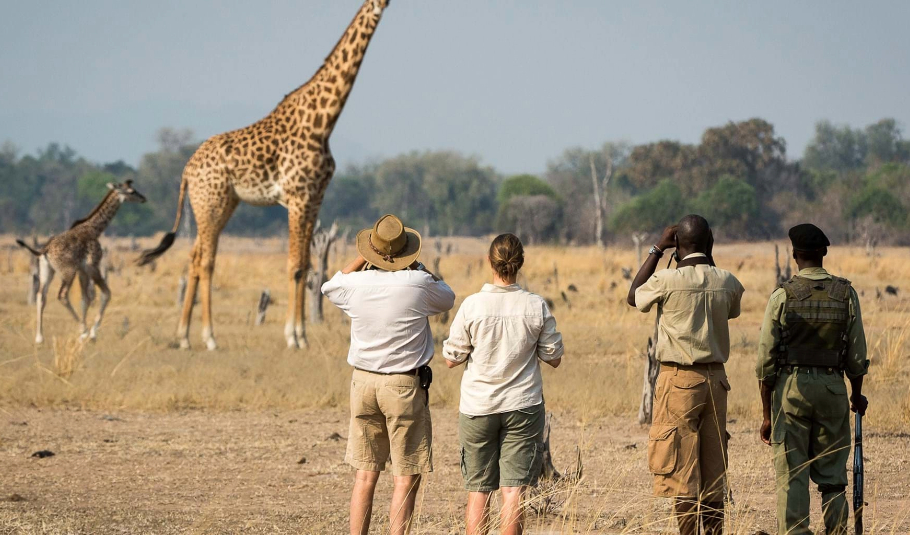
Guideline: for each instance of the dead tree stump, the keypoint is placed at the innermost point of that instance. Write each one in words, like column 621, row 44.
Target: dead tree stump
column 781, row 276
column 652, row 369
column 264, row 301
column 34, row 279
column 181, row 290
column 547, row 470
column 319, row 255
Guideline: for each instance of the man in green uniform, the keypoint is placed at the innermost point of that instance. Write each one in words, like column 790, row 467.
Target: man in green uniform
column 811, row 336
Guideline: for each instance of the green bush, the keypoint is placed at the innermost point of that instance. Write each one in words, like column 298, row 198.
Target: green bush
column 881, row 204
column 651, row 212
column 730, row 205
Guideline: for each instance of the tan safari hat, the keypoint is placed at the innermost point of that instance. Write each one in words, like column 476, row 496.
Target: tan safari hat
column 389, row 245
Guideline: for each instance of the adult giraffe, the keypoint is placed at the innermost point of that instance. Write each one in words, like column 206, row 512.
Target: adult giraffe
column 282, row 159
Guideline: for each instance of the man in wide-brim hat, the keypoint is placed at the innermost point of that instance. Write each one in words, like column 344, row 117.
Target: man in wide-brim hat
column 389, row 295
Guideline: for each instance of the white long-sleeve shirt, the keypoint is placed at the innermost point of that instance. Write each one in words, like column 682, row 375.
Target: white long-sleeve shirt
column 503, row 332
column 390, row 332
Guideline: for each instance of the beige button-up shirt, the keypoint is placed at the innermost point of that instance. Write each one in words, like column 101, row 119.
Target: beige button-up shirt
column 502, row 332
column 694, row 304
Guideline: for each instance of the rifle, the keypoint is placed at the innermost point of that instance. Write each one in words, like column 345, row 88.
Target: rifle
column 858, row 475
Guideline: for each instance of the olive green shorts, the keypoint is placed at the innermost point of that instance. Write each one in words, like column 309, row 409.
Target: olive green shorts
column 501, row 449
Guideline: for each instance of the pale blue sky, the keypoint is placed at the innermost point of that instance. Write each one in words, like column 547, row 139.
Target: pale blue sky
column 512, row 81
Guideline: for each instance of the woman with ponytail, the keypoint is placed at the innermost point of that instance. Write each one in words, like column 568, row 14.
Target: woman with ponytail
column 501, row 335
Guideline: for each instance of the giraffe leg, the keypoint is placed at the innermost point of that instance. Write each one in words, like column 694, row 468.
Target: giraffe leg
column 45, row 277
column 64, row 294
column 208, row 248
column 85, row 287
column 189, row 299
column 300, row 229
column 98, row 279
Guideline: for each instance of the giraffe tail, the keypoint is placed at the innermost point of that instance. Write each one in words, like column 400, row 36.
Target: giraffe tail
column 167, row 241
column 30, row 249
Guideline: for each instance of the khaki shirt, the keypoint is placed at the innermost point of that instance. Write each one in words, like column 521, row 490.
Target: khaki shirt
column 502, row 332
column 694, row 306
column 775, row 320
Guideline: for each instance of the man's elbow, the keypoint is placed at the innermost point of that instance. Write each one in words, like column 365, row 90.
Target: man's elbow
column 555, row 362
column 631, row 300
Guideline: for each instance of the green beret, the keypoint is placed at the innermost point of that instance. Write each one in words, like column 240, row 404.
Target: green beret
column 808, row 237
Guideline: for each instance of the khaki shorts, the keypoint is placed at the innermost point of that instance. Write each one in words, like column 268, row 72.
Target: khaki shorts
column 390, row 420
column 687, row 446
column 501, row 449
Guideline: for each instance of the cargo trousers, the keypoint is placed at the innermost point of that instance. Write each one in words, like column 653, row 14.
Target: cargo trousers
column 810, row 436
column 687, row 445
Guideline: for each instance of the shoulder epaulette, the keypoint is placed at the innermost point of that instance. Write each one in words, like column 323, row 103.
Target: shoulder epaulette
column 838, row 289
column 797, row 289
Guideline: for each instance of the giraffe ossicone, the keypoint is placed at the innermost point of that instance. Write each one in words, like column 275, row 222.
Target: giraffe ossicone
column 282, row 159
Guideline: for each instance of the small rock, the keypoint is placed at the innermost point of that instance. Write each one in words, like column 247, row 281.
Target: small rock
column 335, row 436
column 43, row 453
column 19, row 423
column 109, row 441
column 292, row 421
column 731, row 421
column 109, row 418
column 630, row 447
column 14, row 498
column 891, row 290
column 302, row 460
column 572, row 288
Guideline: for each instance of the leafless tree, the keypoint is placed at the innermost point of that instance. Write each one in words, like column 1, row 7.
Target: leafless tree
column 638, row 239
column 600, row 198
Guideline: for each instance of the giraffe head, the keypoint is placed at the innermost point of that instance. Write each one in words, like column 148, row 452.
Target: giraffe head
column 379, row 6
column 126, row 192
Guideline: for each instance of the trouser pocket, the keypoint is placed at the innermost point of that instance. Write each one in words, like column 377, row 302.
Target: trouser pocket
column 663, row 449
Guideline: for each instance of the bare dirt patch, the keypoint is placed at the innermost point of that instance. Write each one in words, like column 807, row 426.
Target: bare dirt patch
column 240, row 472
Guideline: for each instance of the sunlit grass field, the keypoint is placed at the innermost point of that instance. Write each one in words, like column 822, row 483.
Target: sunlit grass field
column 135, row 367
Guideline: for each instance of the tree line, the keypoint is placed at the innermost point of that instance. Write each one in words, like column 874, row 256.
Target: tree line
column 853, row 182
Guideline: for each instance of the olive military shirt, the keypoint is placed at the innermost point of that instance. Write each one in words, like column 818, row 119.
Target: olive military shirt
column 695, row 304
column 775, row 320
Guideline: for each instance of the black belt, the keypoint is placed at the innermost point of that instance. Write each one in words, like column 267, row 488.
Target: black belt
column 409, row 372
column 697, row 366
column 830, row 370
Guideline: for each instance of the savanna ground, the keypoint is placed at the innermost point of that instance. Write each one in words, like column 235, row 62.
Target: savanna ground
column 250, row 439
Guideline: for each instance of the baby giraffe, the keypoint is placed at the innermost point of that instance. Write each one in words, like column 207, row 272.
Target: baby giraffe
column 78, row 252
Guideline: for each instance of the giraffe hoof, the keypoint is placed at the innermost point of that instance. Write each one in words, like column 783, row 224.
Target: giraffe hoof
column 39, row 339
column 292, row 343
column 211, row 345
column 184, row 343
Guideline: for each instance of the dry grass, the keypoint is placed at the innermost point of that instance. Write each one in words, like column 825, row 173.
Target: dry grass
column 134, row 366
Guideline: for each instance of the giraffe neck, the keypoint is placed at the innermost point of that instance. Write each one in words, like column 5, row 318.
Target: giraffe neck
column 327, row 92
column 102, row 215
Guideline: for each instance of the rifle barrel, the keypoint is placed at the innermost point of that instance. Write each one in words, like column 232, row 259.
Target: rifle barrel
column 858, row 472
